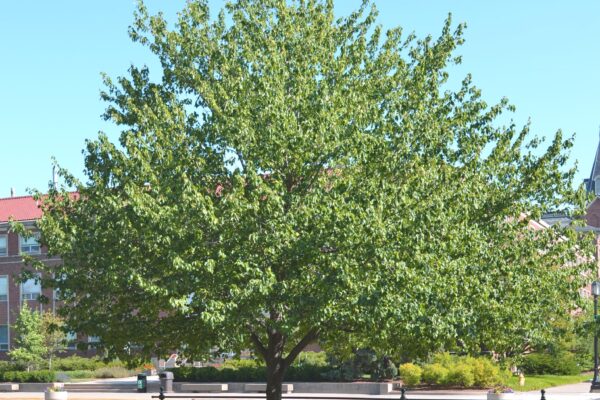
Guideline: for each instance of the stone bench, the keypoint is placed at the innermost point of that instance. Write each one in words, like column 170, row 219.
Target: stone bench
column 203, row 387
column 9, row 387
column 262, row 387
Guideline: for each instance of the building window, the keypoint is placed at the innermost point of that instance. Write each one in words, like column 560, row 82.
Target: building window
column 30, row 245
column 3, row 288
column 3, row 337
column 31, row 289
column 93, row 339
column 71, row 339
column 3, row 246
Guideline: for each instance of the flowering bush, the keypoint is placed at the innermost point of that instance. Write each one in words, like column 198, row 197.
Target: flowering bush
column 501, row 389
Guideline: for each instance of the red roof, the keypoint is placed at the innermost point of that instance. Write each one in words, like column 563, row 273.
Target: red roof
column 23, row 208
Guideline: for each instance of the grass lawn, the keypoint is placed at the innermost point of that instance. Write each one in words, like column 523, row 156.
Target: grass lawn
column 537, row 382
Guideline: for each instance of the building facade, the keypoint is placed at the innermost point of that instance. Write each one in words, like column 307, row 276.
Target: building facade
column 592, row 217
column 15, row 294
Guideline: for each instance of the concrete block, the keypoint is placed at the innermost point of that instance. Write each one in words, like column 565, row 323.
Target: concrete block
column 203, row 387
column 343, row 387
column 9, row 387
column 38, row 387
column 262, row 387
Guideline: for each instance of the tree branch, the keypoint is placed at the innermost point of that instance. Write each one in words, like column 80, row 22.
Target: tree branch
column 241, row 160
column 312, row 335
column 259, row 346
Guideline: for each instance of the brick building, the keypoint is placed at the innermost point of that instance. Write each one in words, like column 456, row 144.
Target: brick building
column 592, row 185
column 13, row 294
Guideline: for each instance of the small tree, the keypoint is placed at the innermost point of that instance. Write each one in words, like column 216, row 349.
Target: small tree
column 54, row 336
column 30, row 347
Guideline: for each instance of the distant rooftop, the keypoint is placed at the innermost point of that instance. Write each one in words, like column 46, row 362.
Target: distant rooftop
column 556, row 217
column 21, row 208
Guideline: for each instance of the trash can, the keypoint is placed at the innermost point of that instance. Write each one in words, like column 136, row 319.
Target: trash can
column 166, row 381
column 142, row 383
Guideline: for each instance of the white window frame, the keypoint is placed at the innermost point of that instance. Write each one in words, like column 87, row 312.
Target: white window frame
column 5, row 237
column 4, row 297
column 4, row 346
column 35, row 236
column 31, row 295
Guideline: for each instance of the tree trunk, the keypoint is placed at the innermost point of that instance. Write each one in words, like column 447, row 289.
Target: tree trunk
column 275, row 374
column 277, row 364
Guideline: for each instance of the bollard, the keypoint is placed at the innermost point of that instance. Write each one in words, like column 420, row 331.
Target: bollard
column 161, row 395
column 402, row 396
column 543, row 395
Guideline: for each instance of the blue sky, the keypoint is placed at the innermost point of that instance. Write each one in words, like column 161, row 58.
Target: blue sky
column 543, row 55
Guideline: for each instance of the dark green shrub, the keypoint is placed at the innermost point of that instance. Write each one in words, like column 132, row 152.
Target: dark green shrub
column 12, row 366
column 310, row 367
column 365, row 361
column 6, row 366
column 76, row 363
column 309, row 373
column 552, row 364
column 182, row 374
column 435, row 374
column 385, row 369
column 311, row 358
column 304, row 373
column 234, row 363
column 32, row 376
column 208, row 374
column 256, row 374
column 337, row 375
column 211, row 374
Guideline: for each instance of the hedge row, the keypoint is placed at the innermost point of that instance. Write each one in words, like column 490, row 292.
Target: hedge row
column 300, row 373
column 72, row 363
column 453, row 371
column 550, row 364
column 24, row 376
column 77, row 363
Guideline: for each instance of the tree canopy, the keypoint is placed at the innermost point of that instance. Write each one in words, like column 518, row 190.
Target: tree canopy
column 292, row 177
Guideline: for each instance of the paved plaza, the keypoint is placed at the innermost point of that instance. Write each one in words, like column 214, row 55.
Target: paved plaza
column 579, row 391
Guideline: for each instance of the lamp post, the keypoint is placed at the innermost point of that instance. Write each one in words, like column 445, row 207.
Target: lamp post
column 596, row 381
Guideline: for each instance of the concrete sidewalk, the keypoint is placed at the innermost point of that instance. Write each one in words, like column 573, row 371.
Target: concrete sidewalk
column 578, row 391
column 583, row 387
column 315, row 396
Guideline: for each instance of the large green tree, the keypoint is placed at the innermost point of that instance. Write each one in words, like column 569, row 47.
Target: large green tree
column 291, row 177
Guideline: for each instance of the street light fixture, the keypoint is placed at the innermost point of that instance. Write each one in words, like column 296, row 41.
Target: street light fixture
column 596, row 381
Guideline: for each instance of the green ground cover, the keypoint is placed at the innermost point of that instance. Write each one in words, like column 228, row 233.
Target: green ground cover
column 538, row 382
